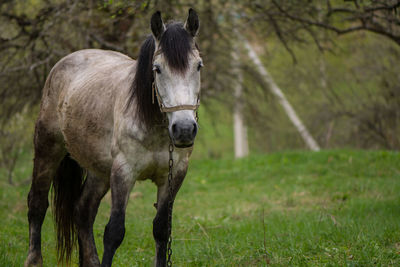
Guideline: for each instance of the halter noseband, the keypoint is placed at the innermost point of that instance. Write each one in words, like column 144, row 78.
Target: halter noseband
column 163, row 108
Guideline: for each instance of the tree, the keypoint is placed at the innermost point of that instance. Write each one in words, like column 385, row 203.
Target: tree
column 34, row 35
column 374, row 116
column 290, row 20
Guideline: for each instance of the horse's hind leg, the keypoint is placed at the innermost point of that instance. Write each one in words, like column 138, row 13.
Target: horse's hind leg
column 85, row 213
column 48, row 153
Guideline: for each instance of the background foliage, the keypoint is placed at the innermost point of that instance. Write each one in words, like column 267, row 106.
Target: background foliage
column 336, row 61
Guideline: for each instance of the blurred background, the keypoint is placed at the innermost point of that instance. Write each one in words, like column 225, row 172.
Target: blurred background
column 278, row 75
column 281, row 78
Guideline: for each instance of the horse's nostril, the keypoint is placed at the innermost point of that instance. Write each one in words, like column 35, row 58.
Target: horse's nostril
column 194, row 131
column 183, row 132
column 174, row 129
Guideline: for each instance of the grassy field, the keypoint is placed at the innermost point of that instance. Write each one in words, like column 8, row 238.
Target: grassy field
column 331, row 208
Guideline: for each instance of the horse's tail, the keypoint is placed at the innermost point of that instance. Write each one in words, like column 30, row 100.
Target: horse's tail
column 67, row 185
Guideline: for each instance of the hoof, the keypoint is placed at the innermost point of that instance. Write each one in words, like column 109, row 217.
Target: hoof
column 92, row 262
column 34, row 261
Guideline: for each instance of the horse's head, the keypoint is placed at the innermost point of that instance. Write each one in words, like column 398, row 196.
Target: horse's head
column 176, row 66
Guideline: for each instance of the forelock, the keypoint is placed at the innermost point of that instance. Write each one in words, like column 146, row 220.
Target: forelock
column 176, row 44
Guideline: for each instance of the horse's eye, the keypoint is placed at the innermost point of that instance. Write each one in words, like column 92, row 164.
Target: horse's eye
column 199, row 66
column 157, row 69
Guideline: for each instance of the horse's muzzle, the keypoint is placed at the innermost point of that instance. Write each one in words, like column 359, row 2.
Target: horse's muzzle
column 183, row 133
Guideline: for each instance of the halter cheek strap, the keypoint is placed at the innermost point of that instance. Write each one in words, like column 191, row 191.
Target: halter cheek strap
column 163, row 108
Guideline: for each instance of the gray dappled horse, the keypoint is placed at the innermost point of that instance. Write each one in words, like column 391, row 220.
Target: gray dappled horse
column 100, row 128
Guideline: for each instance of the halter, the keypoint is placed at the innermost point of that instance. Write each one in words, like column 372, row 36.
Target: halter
column 163, row 108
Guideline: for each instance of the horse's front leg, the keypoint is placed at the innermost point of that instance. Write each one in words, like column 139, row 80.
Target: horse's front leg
column 160, row 222
column 121, row 183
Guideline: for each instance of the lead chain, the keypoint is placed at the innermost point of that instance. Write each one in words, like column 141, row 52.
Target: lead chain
column 170, row 203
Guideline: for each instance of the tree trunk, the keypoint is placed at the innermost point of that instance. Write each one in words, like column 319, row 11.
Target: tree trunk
column 240, row 129
column 308, row 139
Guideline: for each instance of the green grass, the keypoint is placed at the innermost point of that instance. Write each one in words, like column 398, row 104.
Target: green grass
column 330, row 208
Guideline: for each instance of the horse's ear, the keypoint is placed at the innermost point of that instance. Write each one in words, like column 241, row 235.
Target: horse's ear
column 192, row 23
column 157, row 25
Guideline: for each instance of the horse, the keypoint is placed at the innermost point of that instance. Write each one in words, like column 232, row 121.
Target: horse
column 101, row 127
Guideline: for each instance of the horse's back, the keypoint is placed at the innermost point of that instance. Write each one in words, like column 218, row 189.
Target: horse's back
column 79, row 99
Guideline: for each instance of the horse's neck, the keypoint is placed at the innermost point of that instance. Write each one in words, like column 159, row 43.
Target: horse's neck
column 130, row 125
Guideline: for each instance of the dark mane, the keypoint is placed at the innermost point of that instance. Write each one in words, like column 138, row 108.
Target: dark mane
column 176, row 45
column 141, row 87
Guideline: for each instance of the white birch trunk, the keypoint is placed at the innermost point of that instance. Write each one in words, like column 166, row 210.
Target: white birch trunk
column 239, row 128
column 308, row 139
